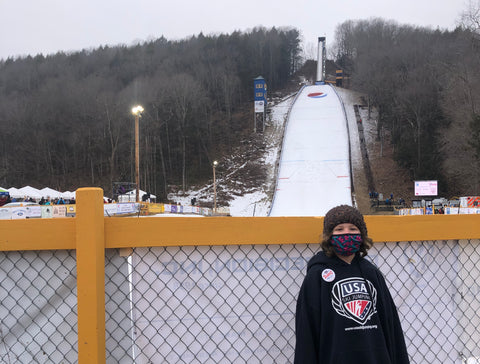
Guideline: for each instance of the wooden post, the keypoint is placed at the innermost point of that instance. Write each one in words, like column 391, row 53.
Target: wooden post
column 90, row 244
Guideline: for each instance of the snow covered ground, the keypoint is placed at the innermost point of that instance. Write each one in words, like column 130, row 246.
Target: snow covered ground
column 310, row 122
column 314, row 171
column 258, row 201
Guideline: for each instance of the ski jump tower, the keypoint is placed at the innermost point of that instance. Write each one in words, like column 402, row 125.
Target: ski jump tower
column 321, row 61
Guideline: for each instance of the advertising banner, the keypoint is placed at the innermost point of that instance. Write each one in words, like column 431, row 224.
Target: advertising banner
column 47, row 211
column 470, row 201
column 426, row 188
column 451, row 210
column 110, row 209
column 23, row 212
column 5, row 213
column 155, row 208
column 259, row 106
column 59, row 211
column 71, row 210
column 126, row 208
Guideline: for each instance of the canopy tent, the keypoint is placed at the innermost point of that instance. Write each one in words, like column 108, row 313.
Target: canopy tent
column 14, row 193
column 37, row 194
column 3, row 192
column 68, row 194
column 29, row 191
column 50, row 192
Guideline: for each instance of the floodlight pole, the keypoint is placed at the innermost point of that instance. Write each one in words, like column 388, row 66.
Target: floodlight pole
column 214, row 189
column 137, row 158
column 137, row 111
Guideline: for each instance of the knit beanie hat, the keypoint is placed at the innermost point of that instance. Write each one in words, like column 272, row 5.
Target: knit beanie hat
column 343, row 214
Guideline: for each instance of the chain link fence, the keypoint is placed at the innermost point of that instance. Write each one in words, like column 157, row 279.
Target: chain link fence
column 38, row 318
column 229, row 304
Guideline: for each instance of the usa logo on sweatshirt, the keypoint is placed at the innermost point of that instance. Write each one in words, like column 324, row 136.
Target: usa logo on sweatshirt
column 352, row 299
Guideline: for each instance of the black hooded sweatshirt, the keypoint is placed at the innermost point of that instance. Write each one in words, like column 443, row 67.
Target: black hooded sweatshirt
column 345, row 315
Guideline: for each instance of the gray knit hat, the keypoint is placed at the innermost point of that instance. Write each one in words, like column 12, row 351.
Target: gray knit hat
column 343, row 214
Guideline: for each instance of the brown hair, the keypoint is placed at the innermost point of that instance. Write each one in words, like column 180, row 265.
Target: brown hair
column 340, row 215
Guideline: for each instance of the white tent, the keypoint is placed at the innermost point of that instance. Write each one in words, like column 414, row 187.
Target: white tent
column 68, row 194
column 14, row 193
column 29, row 191
column 50, row 192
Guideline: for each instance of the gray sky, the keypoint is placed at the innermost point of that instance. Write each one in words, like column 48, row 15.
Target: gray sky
column 48, row 26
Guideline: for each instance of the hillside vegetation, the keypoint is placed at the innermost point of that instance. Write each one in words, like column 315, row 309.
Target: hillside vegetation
column 425, row 85
column 65, row 119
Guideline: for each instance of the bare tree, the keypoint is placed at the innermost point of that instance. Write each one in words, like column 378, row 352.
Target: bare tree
column 470, row 17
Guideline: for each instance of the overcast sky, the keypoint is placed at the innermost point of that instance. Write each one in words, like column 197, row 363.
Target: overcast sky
column 48, row 26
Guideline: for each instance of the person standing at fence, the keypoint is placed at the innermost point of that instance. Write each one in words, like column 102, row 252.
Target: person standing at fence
column 345, row 313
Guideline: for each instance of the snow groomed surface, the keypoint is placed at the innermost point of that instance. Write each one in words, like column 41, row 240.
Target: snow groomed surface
column 314, row 169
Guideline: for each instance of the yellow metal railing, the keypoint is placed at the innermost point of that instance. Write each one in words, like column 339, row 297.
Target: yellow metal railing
column 90, row 233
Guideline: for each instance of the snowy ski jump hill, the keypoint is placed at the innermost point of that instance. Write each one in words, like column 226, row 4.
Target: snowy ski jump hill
column 314, row 167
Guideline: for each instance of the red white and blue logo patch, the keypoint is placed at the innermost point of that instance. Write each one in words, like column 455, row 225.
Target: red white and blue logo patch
column 351, row 299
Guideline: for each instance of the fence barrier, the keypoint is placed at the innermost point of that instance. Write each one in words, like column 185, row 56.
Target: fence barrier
column 110, row 209
column 433, row 210
column 96, row 289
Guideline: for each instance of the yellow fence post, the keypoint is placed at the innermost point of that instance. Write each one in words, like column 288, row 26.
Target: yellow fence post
column 90, row 245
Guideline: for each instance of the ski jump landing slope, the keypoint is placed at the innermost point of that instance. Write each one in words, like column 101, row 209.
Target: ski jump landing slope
column 314, row 170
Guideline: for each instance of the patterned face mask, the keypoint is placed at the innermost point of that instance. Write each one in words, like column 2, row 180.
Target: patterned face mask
column 346, row 244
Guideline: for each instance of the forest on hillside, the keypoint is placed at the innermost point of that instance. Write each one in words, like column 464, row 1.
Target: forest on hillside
column 425, row 85
column 66, row 122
